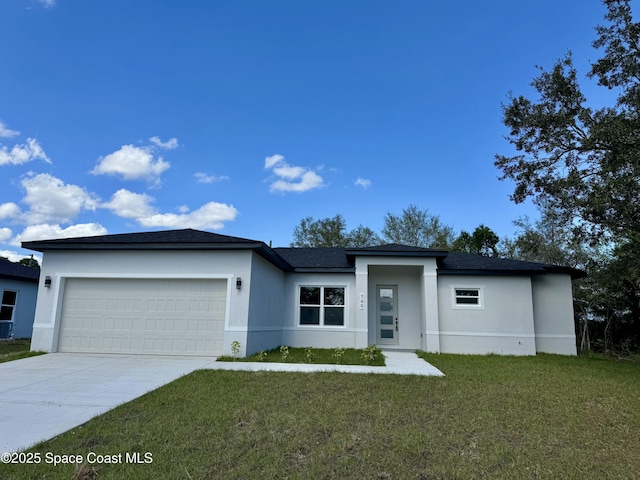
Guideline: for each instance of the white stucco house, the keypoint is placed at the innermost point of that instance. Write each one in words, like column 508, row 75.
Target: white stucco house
column 189, row 292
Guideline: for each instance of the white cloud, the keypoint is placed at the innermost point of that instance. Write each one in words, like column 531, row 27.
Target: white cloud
column 48, row 3
column 211, row 215
column 9, row 210
column 19, row 154
column 291, row 178
column 6, row 132
column 362, row 182
column 132, row 163
column 51, row 200
column 130, row 205
column 206, row 178
column 169, row 144
column 5, row 234
column 269, row 162
column 288, row 172
column 138, row 206
column 14, row 256
column 308, row 181
column 48, row 231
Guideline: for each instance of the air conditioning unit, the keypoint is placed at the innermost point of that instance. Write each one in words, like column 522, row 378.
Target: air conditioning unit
column 5, row 330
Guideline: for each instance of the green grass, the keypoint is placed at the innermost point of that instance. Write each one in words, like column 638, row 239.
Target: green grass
column 491, row 417
column 344, row 356
column 16, row 349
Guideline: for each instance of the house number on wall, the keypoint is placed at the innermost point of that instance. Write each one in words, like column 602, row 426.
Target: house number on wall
column 362, row 301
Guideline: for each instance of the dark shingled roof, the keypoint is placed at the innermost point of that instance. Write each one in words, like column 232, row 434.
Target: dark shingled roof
column 15, row 271
column 142, row 240
column 457, row 263
column 466, row 261
column 301, row 259
column 316, row 259
column 396, row 250
column 186, row 239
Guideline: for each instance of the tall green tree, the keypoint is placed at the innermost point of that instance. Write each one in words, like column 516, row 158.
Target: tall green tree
column 30, row 262
column 332, row 232
column 483, row 241
column 584, row 160
column 418, row 228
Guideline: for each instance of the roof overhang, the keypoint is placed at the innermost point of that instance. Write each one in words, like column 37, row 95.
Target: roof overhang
column 384, row 251
column 19, row 278
column 259, row 247
column 575, row 273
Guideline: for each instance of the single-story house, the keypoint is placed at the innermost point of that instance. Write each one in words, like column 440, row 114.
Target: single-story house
column 190, row 292
column 18, row 290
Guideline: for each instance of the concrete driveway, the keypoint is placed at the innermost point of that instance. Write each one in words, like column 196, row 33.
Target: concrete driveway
column 41, row 397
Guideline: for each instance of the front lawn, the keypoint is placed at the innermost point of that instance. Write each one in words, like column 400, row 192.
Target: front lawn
column 543, row 417
column 16, row 349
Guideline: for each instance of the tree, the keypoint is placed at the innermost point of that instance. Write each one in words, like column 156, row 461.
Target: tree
column 483, row 241
column 30, row 262
column 548, row 240
column 362, row 237
column 585, row 161
column 417, row 228
column 332, row 232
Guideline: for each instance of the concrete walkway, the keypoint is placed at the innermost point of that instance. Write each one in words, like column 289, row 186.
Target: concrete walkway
column 397, row 362
column 44, row 396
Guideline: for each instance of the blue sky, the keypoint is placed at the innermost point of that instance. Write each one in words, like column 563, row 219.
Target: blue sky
column 243, row 117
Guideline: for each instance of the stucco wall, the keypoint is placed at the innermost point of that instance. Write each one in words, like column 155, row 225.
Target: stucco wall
column 24, row 310
column 154, row 264
column 553, row 314
column 265, row 305
column 503, row 325
column 295, row 335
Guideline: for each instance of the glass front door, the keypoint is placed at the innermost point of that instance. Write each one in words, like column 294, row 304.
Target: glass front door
column 387, row 314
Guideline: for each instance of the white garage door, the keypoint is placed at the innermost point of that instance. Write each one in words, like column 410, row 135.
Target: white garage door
column 145, row 316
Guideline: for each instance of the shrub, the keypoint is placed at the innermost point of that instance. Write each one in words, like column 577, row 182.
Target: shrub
column 235, row 349
column 370, row 354
column 284, row 353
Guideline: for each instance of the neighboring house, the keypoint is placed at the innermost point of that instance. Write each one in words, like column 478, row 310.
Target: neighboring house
column 189, row 292
column 18, row 290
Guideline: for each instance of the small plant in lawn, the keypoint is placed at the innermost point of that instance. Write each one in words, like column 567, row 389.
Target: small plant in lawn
column 235, row 349
column 308, row 352
column 262, row 356
column 84, row 472
column 284, row 352
column 338, row 353
column 369, row 354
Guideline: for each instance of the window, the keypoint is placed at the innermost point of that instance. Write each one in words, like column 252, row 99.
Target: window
column 322, row 306
column 467, row 297
column 8, row 305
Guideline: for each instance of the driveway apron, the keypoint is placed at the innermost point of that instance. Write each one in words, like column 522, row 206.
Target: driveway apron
column 44, row 396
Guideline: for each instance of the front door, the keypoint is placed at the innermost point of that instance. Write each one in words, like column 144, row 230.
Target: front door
column 387, row 314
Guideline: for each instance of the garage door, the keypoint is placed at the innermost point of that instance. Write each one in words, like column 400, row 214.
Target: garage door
column 143, row 316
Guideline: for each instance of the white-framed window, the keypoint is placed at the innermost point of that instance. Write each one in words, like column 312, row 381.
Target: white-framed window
column 467, row 296
column 8, row 305
column 321, row 305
